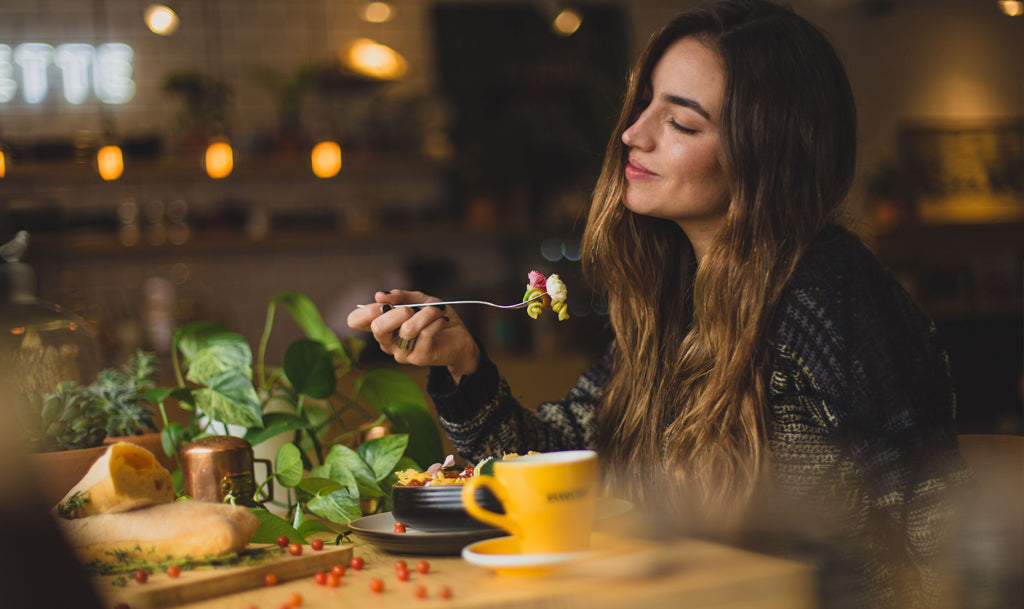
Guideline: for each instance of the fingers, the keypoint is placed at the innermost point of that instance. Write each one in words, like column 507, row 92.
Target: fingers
column 361, row 318
column 396, row 329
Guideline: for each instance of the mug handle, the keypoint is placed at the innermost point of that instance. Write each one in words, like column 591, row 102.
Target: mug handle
column 482, row 514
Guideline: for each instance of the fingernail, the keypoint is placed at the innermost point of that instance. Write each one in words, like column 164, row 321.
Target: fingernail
column 386, row 308
column 440, row 307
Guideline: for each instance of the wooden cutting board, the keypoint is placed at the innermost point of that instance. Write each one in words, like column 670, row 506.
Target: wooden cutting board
column 199, row 584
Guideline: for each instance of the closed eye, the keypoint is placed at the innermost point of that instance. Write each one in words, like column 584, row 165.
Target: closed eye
column 681, row 128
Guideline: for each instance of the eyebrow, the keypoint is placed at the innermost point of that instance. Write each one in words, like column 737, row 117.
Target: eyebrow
column 686, row 102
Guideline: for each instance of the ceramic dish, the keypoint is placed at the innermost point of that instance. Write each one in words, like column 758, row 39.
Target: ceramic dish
column 439, row 508
column 379, row 529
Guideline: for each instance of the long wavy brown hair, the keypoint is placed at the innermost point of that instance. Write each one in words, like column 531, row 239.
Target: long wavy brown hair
column 683, row 413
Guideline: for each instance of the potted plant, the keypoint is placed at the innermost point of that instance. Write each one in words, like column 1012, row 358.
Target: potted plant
column 321, row 397
column 67, row 428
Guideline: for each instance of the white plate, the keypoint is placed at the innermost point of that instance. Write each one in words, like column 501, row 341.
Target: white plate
column 502, row 555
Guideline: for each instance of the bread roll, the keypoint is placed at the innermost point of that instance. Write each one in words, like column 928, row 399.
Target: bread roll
column 187, row 528
column 126, row 477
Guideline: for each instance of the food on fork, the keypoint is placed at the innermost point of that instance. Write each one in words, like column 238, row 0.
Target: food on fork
column 554, row 291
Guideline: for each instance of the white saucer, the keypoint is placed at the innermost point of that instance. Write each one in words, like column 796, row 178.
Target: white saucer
column 502, row 555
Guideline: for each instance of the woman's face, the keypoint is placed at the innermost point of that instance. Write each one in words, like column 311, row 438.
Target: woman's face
column 674, row 170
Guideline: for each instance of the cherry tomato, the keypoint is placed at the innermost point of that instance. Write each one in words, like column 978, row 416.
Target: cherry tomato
column 294, row 599
column 317, row 545
column 320, row 578
column 376, row 585
column 423, row 567
column 401, row 564
column 173, row 571
column 421, row 591
column 295, row 549
column 402, row 575
column 399, row 527
column 141, row 576
column 270, row 579
column 445, row 592
column 338, row 570
column 333, row 580
column 283, row 541
column 356, row 562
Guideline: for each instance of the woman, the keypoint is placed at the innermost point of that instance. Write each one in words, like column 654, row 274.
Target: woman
column 768, row 379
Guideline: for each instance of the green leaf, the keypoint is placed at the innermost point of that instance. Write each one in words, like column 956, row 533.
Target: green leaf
column 288, row 465
column 231, row 398
column 336, row 472
column 339, row 506
column 308, row 318
column 343, row 457
column 309, row 368
column 309, row 527
column 275, row 423
column 315, row 485
column 271, row 526
column 487, row 469
column 299, row 518
column 425, row 445
column 222, row 352
column 382, row 454
column 157, row 395
column 191, row 338
column 315, row 415
column 178, row 479
column 383, row 387
column 172, row 437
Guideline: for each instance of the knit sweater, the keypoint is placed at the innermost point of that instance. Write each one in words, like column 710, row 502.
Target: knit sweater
column 860, row 428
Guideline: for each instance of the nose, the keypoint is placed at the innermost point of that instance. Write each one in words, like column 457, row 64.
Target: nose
column 636, row 136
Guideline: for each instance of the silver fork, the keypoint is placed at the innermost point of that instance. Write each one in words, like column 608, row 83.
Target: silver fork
column 518, row 305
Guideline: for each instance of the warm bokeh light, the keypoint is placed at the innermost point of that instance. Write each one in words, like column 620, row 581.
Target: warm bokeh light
column 110, row 162
column 161, row 19
column 220, row 159
column 375, row 60
column 378, row 12
column 326, row 159
column 1013, row 8
column 3, row 163
column 567, row 22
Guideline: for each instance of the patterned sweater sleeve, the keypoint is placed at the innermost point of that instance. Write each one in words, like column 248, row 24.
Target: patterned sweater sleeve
column 482, row 418
column 875, row 365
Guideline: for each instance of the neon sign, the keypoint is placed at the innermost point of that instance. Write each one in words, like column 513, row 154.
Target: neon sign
column 110, row 66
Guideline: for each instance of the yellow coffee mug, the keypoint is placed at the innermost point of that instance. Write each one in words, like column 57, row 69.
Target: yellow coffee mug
column 549, row 499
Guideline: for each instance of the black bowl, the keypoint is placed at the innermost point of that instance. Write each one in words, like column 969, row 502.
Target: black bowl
column 439, row 508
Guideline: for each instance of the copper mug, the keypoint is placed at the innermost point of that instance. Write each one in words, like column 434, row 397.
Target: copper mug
column 216, row 467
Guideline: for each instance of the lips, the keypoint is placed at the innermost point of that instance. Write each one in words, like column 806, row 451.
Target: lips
column 636, row 170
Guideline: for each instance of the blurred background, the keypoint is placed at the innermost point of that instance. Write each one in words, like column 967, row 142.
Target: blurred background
column 187, row 161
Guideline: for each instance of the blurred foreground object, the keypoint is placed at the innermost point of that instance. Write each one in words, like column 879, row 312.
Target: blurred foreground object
column 43, row 343
column 991, row 556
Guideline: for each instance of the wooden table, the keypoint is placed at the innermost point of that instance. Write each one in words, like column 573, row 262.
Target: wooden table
column 697, row 574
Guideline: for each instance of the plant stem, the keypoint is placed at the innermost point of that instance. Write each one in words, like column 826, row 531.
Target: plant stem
column 177, row 366
column 264, row 339
column 317, row 446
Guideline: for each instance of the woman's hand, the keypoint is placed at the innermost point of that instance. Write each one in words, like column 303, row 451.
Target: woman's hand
column 423, row 336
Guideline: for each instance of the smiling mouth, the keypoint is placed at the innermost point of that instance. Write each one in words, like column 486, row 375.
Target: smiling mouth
column 635, row 170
